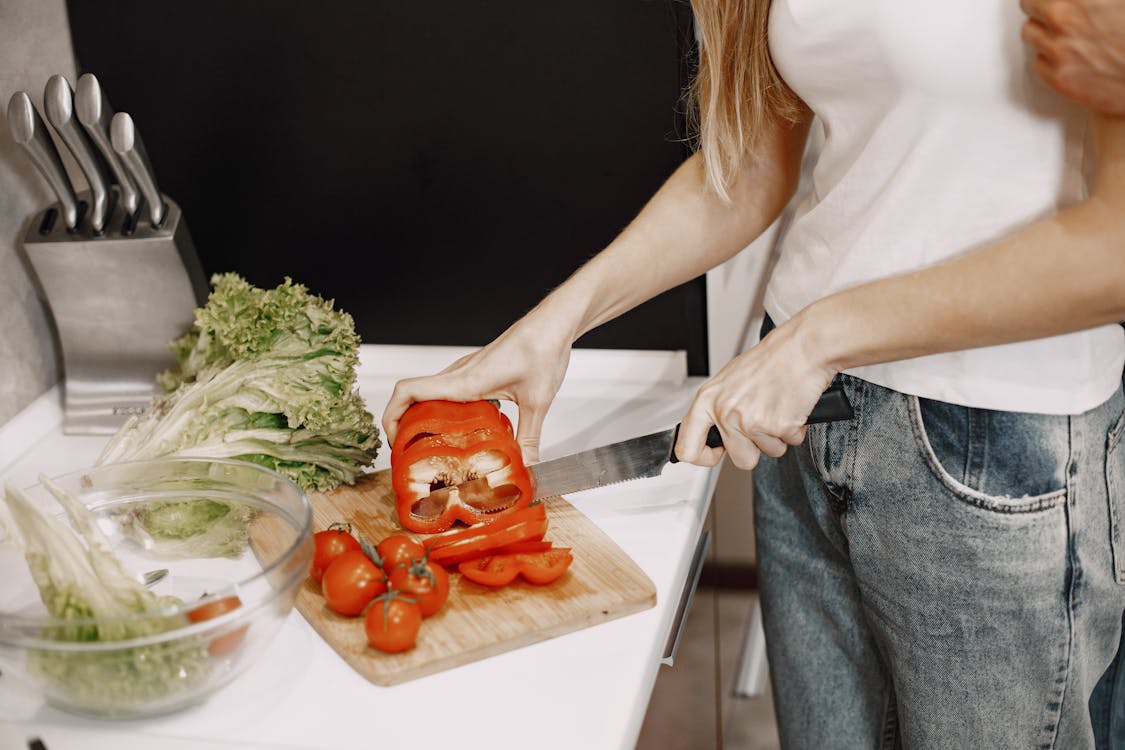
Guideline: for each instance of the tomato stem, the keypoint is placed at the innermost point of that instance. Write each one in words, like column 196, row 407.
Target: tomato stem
column 370, row 550
column 388, row 597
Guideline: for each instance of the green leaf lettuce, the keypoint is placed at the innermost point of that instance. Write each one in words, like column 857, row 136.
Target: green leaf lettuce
column 267, row 376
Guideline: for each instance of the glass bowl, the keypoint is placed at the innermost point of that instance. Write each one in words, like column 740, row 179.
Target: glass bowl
column 234, row 572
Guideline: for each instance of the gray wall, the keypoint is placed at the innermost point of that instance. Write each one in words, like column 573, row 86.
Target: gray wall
column 34, row 44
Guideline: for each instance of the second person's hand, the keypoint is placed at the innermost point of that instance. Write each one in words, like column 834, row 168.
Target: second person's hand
column 1080, row 49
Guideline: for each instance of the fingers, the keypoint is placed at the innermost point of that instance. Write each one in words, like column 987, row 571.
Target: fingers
column 412, row 390
column 768, row 444
column 1053, row 14
column 798, row 436
column 401, row 398
column 1058, row 32
column 1034, row 8
column 744, row 450
column 744, row 439
column 1035, row 35
column 1047, row 55
column 451, row 384
column 691, row 443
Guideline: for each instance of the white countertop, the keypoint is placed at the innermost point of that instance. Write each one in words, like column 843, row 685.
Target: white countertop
column 587, row 689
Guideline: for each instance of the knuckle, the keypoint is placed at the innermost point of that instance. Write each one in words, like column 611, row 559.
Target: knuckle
column 796, row 436
column 1031, row 33
column 729, row 411
column 1060, row 15
column 398, row 393
column 777, row 450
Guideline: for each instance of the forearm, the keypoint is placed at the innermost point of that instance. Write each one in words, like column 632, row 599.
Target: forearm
column 683, row 231
column 1061, row 274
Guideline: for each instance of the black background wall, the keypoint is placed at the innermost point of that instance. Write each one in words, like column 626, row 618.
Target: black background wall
column 436, row 167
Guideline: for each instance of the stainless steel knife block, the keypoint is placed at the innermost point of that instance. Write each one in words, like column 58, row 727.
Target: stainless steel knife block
column 118, row 300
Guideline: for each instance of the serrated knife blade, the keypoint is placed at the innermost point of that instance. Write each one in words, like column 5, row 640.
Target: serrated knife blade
column 635, row 458
column 645, row 456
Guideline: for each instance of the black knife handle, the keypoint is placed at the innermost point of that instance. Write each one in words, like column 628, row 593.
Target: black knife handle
column 832, row 406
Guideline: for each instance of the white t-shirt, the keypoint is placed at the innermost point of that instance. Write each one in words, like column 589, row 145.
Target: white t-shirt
column 938, row 139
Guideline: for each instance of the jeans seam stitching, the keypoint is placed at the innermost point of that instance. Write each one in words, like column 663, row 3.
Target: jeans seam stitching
column 888, row 740
column 1111, row 707
column 1074, row 576
column 978, row 448
column 859, row 393
column 1115, row 434
column 1113, row 444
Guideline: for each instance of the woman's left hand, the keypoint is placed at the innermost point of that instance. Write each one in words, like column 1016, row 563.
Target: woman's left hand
column 759, row 401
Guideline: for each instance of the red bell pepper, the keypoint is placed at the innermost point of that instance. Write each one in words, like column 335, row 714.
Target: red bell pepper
column 456, row 462
column 501, row 569
column 528, row 547
column 522, row 525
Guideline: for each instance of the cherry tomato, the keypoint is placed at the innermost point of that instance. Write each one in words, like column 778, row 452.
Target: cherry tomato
column 426, row 582
column 399, row 549
column 352, row 581
column 227, row 642
column 392, row 622
column 327, row 546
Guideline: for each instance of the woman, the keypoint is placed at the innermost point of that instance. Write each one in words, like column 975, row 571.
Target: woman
column 947, row 569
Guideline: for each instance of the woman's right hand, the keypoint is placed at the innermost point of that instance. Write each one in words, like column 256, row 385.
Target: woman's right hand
column 525, row 364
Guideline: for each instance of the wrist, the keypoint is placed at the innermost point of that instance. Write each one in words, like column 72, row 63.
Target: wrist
column 567, row 312
column 828, row 336
column 553, row 321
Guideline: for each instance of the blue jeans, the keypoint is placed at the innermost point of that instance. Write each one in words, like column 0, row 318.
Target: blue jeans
column 934, row 576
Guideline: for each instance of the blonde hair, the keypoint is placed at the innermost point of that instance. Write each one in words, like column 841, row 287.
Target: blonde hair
column 736, row 91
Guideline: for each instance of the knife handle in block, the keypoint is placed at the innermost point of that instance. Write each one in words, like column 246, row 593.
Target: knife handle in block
column 832, row 406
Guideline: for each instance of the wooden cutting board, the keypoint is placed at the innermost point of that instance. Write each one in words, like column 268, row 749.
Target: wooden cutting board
column 477, row 621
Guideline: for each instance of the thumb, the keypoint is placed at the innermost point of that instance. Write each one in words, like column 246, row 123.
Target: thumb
column 528, row 430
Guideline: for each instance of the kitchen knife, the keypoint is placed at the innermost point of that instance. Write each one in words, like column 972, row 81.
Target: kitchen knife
column 29, row 130
column 127, row 143
column 647, row 455
column 58, row 100
column 94, row 113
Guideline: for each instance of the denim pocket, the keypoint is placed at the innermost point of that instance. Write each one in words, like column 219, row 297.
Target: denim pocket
column 1115, row 487
column 1006, row 462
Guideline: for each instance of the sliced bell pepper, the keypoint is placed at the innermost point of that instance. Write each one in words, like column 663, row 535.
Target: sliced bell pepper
column 541, row 545
column 456, row 462
column 521, row 525
column 536, row 567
